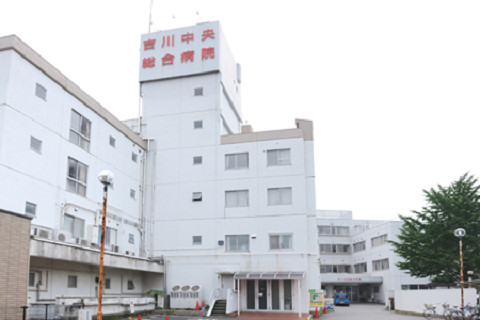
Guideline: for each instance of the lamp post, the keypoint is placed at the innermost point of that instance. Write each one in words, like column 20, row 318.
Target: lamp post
column 460, row 233
column 106, row 178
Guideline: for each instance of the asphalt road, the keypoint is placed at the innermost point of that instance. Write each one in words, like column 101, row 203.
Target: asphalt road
column 365, row 312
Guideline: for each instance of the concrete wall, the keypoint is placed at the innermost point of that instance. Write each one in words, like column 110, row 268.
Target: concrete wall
column 414, row 300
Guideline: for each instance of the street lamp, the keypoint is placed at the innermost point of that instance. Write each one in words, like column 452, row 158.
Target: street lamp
column 106, row 178
column 460, row 233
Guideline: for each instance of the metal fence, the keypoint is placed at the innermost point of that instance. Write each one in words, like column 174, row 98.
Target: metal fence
column 40, row 312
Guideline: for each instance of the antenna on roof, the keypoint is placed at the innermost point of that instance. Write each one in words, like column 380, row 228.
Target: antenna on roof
column 150, row 16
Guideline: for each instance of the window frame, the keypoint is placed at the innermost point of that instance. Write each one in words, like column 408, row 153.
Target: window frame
column 280, row 236
column 70, row 284
column 198, row 124
column 197, row 160
column 197, row 240
column 38, row 142
column 236, row 162
column 31, row 205
column 282, row 199
column 238, row 248
column 198, row 91
column 78, row 225
column 40, row 91
column 77, row 180
column 82, row 138
column 197, row 196
column 279, row 160
column 238, row 203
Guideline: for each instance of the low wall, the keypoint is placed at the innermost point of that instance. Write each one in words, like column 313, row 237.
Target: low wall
column 412, row 301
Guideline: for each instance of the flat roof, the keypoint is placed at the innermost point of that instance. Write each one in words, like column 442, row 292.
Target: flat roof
column 14, row 43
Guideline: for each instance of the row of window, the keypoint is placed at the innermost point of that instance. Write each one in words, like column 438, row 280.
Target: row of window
column 240, row 198
column 241, row 243
column 80, row 128
column 35, row 279
column 377, row 265
column 237, row 161
column 77, row 178
column 357, row 246
column 333, row 231
column 76, row 227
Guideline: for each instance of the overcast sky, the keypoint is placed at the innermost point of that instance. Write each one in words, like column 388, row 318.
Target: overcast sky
column 392, row 86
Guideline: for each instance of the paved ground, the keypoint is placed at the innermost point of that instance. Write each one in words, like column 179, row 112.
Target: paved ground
column 365, row 312
column 353, row 312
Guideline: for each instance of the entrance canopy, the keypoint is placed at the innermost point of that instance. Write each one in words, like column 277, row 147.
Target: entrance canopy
column 270, row 275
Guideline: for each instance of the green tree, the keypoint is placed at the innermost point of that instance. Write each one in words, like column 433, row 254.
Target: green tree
column 426, row 241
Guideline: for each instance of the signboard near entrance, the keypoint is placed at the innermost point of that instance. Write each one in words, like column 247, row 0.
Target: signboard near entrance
column 316, row 299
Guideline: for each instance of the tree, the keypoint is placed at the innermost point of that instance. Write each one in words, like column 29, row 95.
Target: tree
column 426, row 241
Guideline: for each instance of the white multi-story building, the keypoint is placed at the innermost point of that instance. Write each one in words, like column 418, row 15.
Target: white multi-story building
column 54, row 139
column 356, row 257
column 201, row 206
column 233, row 211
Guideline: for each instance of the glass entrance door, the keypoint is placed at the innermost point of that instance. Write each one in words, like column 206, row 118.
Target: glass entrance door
column 262, row 294
column 251, row 294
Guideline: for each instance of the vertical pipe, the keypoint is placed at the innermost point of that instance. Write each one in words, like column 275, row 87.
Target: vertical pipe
column 461, row 271
column 102, row 249
column 238, row 297
column 299, row 299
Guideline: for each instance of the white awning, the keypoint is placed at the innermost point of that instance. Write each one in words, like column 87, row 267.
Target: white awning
column 270, row 275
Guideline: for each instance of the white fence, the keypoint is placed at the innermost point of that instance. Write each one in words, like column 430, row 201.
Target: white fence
column 414, row 300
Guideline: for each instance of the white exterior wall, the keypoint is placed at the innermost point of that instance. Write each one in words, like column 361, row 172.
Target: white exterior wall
column 364, row 230
column 41, row 178
column 169, row 110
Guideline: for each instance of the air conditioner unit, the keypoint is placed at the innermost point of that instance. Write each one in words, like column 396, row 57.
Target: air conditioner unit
column 42, row 233
column 61, row 235
column 94, row 245
column 82, row 242
column 115, row 248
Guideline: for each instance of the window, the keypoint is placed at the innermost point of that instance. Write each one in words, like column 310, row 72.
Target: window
column 335, row 268
column 40, row 91
column 197, row 240
column 130, row 285
column 131, row 238
column 237, row 243
column 72, row 282
column 280, row 241
column 236, row 161
column 359, row 246
column 380, row 240
column 31, row 279
column 279, row 196
column 77, row 177
column 278, row 157
column 35, row 144
column 112, row 141
column 332, row 231
column 196, row 196
column 34, row 278
column 30, row 208
column 238, row 198
column 198, row 91
column 74, row 225
column 80, row 130
column 132, row 193
column 334, row 248
column 360, row 267
column 110, row 235
column 197, row 160
column 378, row 265
column 198, row 124
column 107, row 283
column 134, row 157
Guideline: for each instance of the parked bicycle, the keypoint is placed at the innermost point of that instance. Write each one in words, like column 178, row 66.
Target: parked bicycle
column 429, row 312
column 456, row 313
